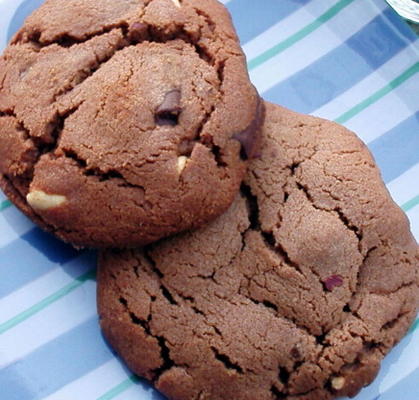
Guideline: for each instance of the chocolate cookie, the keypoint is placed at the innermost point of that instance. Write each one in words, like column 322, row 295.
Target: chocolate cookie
column 297, row 292
column 122, row 122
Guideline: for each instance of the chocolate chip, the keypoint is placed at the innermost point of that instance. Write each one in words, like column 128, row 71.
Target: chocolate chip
column 185, row 147
column 333, row 281
column 168, row 112
column 295, row 353
column 171, row 102
column 137, row 32
column 249, row 137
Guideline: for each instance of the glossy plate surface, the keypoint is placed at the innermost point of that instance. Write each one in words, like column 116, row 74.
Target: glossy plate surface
column 352, row 61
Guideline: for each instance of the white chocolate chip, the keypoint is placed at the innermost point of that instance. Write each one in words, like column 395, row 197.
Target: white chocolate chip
column 181, row 163
column 176, row 3
column 43, row 201
column 338, row 383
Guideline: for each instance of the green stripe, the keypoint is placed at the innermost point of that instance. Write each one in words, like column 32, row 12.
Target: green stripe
column 301, row 34
column 36, row 308
column 118, row 389
column 414, row 326
column 378, row 94
column 5, row 204
column 411, row 204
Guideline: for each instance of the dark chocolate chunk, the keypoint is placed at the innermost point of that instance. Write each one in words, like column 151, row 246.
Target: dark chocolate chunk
column 295, row 353
column 168, row 112
column 185, row 147
column 333, row 281
column 137, row 32
column 249, row 137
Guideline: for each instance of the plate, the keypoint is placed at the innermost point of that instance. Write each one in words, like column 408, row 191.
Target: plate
column 408, row 9
column 352, row 61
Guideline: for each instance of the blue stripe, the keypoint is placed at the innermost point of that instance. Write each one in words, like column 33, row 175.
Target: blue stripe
column 340, row 69
column 260, row 15
column 400, row 26
column 406, row 389
column 56, row 364
column 397, row 150
column 32, row 255
column 15, row 220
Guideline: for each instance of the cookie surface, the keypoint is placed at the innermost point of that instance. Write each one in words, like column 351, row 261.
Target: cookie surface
column 125, row 122
column 297, row 292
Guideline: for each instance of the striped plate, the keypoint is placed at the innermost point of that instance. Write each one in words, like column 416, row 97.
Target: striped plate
column 352, row 61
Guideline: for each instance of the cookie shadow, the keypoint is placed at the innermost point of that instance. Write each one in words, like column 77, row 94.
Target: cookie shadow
column 35, row 252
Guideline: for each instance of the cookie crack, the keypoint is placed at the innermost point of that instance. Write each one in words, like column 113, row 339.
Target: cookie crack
column 358, row 279
column 167, row 362
column 96, row 172
column 284, row 377
column 354, row 312
column 345, row 220
column 391, row 324
column 67, row 40
column 83, row 75
column 20, row 124
column 146, row 33
column 357, row 232
column 40, row 148
column 64, row 40
column 401, row 287
column 7, row 113
column 151, row 34
column 133, row 34
column 51, row 146
column 58, row 127
column 50, row 143
column 277, row 394
column 367, row 348
column 276, row 312
column 207, row 140
column 43, row 147
column 267, row 236
column 277, row 248
column 138, row 32
column 167, row 294
column 228, row 364
column 200, row 395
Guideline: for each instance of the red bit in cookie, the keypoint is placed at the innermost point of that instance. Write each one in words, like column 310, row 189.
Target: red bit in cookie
column 333, row 281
